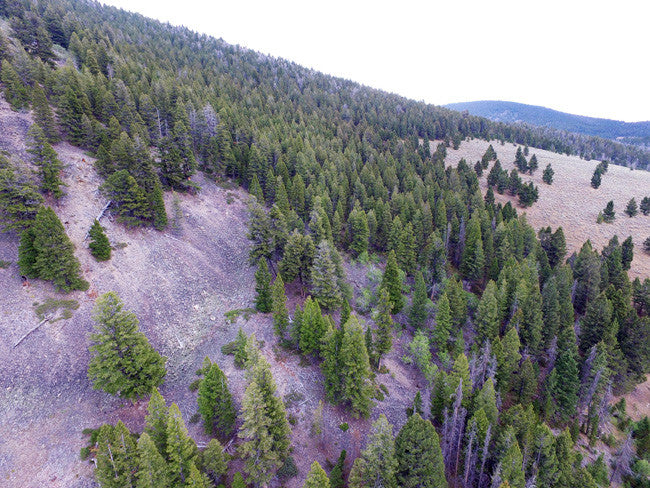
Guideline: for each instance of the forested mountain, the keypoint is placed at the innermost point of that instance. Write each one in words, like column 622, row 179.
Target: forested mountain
column 512, row 112
column 518, row 347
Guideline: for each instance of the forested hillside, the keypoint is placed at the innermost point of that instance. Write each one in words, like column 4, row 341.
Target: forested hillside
column 411, row 318
column 511, row 112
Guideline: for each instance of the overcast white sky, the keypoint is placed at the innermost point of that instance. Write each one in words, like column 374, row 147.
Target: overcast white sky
column 583, row 57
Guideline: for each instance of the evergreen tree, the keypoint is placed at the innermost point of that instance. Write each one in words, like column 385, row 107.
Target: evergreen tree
column 533, row 164
column 128, row 197
column 596, row 178
column 354, row 367
column 596, row 323
column 487, row 314
column 631, row 208
column 377, row 464
column 627, row 251
column 336, row 475
column 263, row 300
column 15, row 91
column 19, row 199
column 567, row 382
column 486, row 401
column 44, row 156
column 473, row 258
column 196, row 479
column 511, row 466
column 156, row 421
column 152, row 469
column 123, row 362
column 43, row 115
column 313, row 327
column 116, row 458
column 419, row 457
column 508, row 356
column 316, row 478
column 526, row 383
column 215, row 460
column 359, row 231
column 265, row 430
column 298, row 258
column 215, row 403
column 392, row 282
column 99, row 245
column 547, row 175
column 279, row 306
column 325, row 279
column 181, row 449
column 457, row 302
column 608, row 213
column 418, row 311
column 47, row 253
column 384, row 322
column 440, row 334
column 645, row 206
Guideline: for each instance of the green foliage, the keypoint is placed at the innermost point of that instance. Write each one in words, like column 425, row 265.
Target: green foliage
column 215, row 460
column 15, row 91
column 181, row 453
column 152, row 468
column 313, row 327
column 608, row 213
column 419, row 457
column 354, row 367
column 336, row 474
column 99, row 245
column 327, row 277
column 44, row 156
column 631, row 209
column 47, row 253
column 116, row 457
column 645, row 206
column 215, row 403
column 384, row 341
column 547, row 175
column 50, row 307
column 43, row 115
column 418, row 311
column 279, row 307
column 392, row 283
column 128, row 197
column 19, row 199
column 263, row 300
column 376, row 465
column 122, row 360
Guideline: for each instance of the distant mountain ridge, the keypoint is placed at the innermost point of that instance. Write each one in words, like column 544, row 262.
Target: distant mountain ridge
column 512, row 112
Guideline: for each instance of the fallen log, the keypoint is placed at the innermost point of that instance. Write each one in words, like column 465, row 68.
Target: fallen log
column 32, row 330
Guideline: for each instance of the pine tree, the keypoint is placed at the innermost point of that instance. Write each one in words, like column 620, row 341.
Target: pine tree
column 359, row 231
column 608, row 213
column 508, row 356
column 376, row 465
column 596, row 322
column 123, row 362
column 511, row 466
column 279, row 307
column 627, row 251
column 418, row 311
column 392, row 283
column 384, row 322
column 419, row 457
column 116, row 458
column 181, row 452
column 43, row 115
column 330, row 352
column 487, row 314
column 631, row 208
column 440, row 334
column 99, row 245
column 128, row 197
column 336, row 474
column 316, row 478
column 47, row 253
column 354, row 367
column 325, row 282
column 215, row 403
column 196, row 479
column 265, row 430
column 263, row 300
column 44, row 156
column 298, row 257
column 533, row 164
column 457, row 301
column 156, row 421
column 15, row 91
column 645, row 206
column 526, row 383
column 152, row 469
column 596, row 178
column 215, row 460
column 19, row 199
column 486, row 401
column 566, row 386
column 313, row 327
column 473, row 257
column 547, row 175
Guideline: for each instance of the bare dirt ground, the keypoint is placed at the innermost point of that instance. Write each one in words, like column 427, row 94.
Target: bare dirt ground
column 180, row 284
column 570, row 201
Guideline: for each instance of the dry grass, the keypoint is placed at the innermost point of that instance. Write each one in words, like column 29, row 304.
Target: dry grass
column 571, row 202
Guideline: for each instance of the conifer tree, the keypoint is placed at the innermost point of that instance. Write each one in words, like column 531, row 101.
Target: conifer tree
column 457, row 301
column 44, row 156
column 354, row 367
column 336, row 475
column 627, row 253
column 181, row 449
column 419, row 457
column 313, row 327
column 43, row 115
column 15, row 91
column 99, row 245
column 215, row 460
column 547, row 175
column 19, row 199
column 645, row 206
column 359, row 231
column 123, row 362
column 631, row 208
column 567, row 384
column 418, row 311
column 215, row 403
column 487, row 314
column 392, row 283
column 384, row 321
column 508, row 356
column 156, row 421
column 440, row 335
column 128, row 197
column 325, row 279
column 196, row 479
column 47, row 253
column 511, row 465
column 486, row 401
column 279, row 308
column 316, row 478
column 298, row 258
column 330, row 352
column 263, row 300
column 473, row 257
column 376, row 465
column 265, row 430
column 608, row 213
column 116, row 459
column 152, row 468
